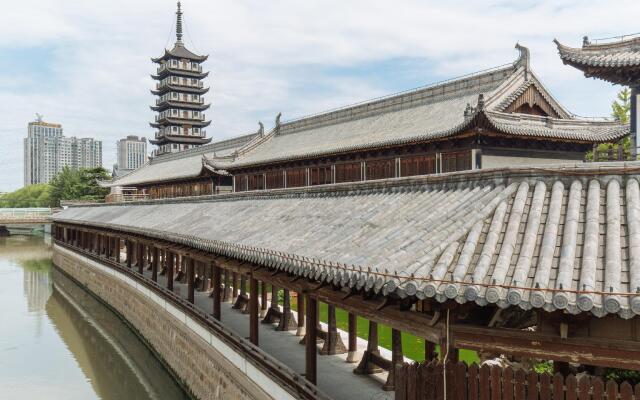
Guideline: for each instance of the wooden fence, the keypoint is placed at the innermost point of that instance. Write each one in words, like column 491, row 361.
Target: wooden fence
column 427, row 382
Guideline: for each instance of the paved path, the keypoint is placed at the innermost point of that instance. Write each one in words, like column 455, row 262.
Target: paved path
column 335, row 375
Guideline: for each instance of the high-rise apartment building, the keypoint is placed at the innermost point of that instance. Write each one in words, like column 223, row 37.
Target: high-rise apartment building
column 132, row 152
column 47, row 151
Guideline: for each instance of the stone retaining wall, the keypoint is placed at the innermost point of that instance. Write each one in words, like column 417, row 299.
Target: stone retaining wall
column 205, row 371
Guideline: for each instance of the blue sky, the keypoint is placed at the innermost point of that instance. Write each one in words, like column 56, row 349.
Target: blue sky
column 86, row 65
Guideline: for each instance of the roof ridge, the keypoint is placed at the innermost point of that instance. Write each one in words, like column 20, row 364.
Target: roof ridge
column 412, row 95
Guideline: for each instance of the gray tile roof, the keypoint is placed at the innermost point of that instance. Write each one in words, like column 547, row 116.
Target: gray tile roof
column 550, row 237
column 179, row 51
column 424, row 114
column 182, row 165
column 623, row 53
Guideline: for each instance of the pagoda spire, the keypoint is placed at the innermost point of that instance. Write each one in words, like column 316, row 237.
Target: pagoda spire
column 179, row 25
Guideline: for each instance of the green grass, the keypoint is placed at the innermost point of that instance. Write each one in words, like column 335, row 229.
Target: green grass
column 412, row 346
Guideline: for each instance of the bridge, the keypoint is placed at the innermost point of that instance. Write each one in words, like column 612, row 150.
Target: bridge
column 24, row 221
column 25, row 216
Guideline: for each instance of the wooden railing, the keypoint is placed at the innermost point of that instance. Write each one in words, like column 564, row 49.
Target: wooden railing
column 123, row 198
column 420, row 381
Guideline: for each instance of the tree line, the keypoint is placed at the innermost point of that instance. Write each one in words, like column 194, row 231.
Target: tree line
column 69, row 184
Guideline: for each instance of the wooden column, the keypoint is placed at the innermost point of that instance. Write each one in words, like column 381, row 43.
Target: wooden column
column 170, row 267
column 311, row 350
column 263, row 299
column 217, row 294
column 273, row 313
column 127, row 244
column 140, row 258
column 429, row 351
column 368, row 363
column 287, row 320
column 154, row 264
column 241, row 299
column 301, row 328
column 396, row 358
column 190, row 279
column 353, row 338
column 227, row 289
column 118, row 248
column 333, row 342
column 234, row 289
column 253, row 311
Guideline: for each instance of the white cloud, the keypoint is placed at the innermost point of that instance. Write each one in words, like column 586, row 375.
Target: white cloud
column 273, row 56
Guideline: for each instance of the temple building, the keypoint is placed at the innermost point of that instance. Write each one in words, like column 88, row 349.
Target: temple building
column 615, row 60
column 502, row 116
column 180, row 104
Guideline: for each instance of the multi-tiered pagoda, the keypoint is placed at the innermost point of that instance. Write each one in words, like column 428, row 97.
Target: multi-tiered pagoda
column 180, row 103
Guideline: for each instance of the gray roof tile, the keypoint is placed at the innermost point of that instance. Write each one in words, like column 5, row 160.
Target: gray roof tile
column 550, row 237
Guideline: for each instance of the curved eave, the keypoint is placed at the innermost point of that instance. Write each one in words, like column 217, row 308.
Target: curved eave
column 615, row 63
column 186, row 106
column 498, row 122
column 179, row 122
column 178, row 89
column 180, row 139
column 169, row 56
column 178, row 72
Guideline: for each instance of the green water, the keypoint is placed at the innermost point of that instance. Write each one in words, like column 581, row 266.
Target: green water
column 58, row 342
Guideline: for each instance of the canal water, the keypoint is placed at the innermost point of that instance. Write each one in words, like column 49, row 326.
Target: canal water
column 58, row 342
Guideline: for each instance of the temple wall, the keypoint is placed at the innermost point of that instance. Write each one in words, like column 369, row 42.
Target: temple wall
column 208, row 367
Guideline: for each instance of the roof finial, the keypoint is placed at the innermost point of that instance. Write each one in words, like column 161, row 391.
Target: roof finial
column 524, row 59
column 585, row 41
column 179, row 25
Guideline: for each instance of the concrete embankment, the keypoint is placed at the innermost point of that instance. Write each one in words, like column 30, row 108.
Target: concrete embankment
column 204, row 364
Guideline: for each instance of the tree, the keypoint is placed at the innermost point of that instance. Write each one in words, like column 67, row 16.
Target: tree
column 621, row 112
column 621, row 107
column 71, row 184
column 29, row 196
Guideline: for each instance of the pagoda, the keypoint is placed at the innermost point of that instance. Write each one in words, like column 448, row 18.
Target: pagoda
column 615, row 60
column 180, row 105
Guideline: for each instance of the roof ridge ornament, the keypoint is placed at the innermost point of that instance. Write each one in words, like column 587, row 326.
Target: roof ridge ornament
column 278, row 123
column 585, row 41
column 179, row 26
column 261, row 128
column 481, row 103
column 524, row 59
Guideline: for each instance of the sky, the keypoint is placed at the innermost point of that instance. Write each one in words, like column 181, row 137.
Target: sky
column 86, row 64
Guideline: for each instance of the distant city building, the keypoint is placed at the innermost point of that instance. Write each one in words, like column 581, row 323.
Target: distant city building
column 180, row 103
column 47, row 151
column 132, row 152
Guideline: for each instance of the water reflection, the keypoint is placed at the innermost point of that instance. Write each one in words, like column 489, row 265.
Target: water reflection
column 60, row 342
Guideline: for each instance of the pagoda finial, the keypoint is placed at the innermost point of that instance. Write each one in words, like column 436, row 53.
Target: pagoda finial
column 179, row 25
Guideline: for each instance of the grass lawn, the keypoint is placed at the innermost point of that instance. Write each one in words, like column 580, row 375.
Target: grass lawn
column 412, row 346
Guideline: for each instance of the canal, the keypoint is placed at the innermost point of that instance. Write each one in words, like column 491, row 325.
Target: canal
column 58, row 342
